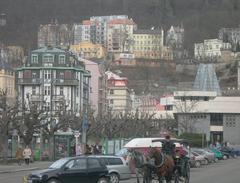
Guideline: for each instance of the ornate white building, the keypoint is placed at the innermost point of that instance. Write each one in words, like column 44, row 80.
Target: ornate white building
column 51, row 76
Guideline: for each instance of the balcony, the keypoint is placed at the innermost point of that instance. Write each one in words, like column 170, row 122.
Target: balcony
column 66, row 82
column 29, row 81
column 57, row 98
column 36, row 98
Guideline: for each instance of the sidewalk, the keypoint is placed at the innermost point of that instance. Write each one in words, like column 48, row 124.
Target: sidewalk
column 14, row 167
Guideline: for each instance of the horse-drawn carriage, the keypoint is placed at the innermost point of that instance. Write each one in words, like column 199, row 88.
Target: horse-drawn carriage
column 156, row 165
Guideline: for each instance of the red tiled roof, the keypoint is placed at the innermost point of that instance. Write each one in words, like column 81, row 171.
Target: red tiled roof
column 121, row 21
column 87, row 22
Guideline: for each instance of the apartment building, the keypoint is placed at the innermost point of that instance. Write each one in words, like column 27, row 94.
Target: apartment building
column 148, row 43
column 51, row 76
column 118, row 93
column 88, row 50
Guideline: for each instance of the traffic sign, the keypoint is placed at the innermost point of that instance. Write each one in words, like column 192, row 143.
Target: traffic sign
column 76, row 134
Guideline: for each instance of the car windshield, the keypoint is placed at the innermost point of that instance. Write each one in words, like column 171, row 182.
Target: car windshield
column 122, row 152
column 58, row 164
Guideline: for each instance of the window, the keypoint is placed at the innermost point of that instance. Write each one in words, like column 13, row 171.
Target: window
column 47, row 74
column 48, row 58
column 111, row 91
column 34, row 90
column 78, row 164
column 77, row 90
column 61, row 75
column 93, row 163
column 34, row 59
column 111, row 101
column 216, row 119
column 47, row 90
column 47, row 106
column 61, row 90
column 61, row 59
column 113, row 161
column 34, row 75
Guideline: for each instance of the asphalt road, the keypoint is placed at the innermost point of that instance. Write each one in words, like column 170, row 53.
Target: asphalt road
column 227, row 171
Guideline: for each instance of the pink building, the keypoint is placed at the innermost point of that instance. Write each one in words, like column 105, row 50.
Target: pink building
column 97, row 85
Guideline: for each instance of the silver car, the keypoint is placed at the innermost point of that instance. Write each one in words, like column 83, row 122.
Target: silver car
column 210, row 157
column 117, row 167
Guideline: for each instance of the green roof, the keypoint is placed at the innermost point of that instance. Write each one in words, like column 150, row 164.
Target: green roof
column 48, row 50
column 55, row 68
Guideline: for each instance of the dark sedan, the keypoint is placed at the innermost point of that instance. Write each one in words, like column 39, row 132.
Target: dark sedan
column 89, row 169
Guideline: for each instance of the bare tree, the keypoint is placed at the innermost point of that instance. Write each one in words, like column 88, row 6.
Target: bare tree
column 183, row 108
column 31, row 118
column 7, row 115
column 60, row 120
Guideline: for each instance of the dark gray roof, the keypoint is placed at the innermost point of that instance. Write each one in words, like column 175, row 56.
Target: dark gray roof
column 148, row 31
column 48, row 50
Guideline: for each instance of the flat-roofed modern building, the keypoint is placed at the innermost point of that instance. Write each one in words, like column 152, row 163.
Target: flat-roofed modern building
column 204, row 112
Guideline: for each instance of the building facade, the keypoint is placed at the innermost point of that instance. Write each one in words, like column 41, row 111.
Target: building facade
column 98, row 91
column 7, row 79
column 230, row 35
column 148, row 43
column 206, row 113
column 118, row 93
column 55, row 35
column 51, row 76
column 175, row 37
column 119, row 34
column 210, row 48
column 88, row 50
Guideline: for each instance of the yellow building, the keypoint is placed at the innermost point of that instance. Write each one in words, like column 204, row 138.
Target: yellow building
column 89, row 50
column 7, row 81
column 148, row 44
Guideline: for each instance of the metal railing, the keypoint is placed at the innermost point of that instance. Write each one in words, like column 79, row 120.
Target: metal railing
column 29, row 81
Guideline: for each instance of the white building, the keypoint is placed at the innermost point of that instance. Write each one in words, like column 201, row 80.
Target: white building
column 210, row 48
column 52, row 76
column 205, row 112
column 119, row 34
column 118, row 93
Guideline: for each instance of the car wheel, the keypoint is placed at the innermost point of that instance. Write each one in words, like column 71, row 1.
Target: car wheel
column 114, row 178
column 103, row 180
column 197, row 164
column 206, row 162
column 53, row 181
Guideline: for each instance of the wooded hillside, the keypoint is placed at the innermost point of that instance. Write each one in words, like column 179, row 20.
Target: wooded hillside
column 201, row 18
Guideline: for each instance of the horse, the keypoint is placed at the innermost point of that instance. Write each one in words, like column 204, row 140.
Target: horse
column 164, row 165
column 140, row 165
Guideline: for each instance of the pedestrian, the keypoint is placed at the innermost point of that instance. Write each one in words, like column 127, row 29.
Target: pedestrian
column 19, row 155
column 87, row 150
column 27, row 155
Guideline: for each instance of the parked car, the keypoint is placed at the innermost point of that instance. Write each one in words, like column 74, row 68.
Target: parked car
column 117, row 167
column 90, row 169
column 209, row 156
column 200, row 160
column 229, row 152
column 191, row 159
column 218, row 154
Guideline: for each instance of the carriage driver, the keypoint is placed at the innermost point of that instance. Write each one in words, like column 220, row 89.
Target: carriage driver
column 168, row 146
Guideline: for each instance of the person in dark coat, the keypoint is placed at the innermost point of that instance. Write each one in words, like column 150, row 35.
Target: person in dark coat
column 168, row 146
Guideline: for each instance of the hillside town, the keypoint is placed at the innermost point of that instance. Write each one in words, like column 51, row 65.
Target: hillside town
column 104, row 80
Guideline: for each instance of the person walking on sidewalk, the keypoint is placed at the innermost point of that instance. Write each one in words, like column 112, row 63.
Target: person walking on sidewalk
column 19, row 155
column 27, row 155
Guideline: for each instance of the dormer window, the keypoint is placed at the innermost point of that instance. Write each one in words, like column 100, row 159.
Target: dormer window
column 48, row 58
column 34, row 59
column 61, row 59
